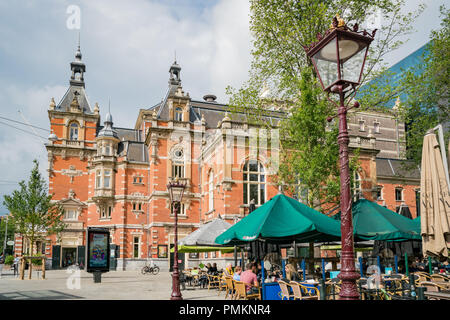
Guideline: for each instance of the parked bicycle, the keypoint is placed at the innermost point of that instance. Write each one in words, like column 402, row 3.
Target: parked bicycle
column 150, row 269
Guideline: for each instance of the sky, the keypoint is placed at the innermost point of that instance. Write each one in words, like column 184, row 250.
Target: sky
column 128, row 47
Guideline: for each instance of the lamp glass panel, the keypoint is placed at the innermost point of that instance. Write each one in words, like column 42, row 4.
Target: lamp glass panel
column 326, row 64
column 351, row 68
column 177, row 193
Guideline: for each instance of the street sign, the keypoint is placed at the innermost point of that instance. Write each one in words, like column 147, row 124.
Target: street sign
column 10, row 243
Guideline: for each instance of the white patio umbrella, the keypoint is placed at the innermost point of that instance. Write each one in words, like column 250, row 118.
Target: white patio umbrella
column 434, row 200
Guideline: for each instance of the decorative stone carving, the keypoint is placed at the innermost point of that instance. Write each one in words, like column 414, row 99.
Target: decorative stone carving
column 71, row 172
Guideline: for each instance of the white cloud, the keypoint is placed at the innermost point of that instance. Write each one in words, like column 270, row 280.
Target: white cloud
column 128, row 47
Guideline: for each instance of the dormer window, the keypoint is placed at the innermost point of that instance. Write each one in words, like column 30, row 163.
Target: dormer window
column 178, row 114
column 376, row 127
column 73, row 131
column 361, row 125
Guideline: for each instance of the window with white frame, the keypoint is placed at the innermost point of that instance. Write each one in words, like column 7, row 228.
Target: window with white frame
column 376, row 127
column 138, row 180
column 181, row 209
column 107, row 150
column 398, row 194
column 98, row 179
column 357, row 184
column 379, row 192
column 107, row 178
column 361, row 125
column 211, row 191
column 73, row 131
column 137, row 206
column 178, row 114
column 70, row 214
column 254, row 182
column 110, row 210
column 136, row 247
column 177, row 170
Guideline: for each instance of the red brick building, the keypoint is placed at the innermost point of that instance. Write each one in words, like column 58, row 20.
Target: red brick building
column 107, row 176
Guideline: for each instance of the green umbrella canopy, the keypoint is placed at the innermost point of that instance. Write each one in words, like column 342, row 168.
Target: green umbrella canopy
column 374, row 222
column 282, row 220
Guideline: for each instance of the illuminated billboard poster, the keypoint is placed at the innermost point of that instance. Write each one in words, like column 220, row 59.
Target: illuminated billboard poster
column 98, row 250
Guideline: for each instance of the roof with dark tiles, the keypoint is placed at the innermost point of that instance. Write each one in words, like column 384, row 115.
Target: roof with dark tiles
column 395, row 168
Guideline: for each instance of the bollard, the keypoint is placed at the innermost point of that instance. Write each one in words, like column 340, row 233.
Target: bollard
column 412, row 287
column 322, row 289
column 421, row 293
column 97, row 277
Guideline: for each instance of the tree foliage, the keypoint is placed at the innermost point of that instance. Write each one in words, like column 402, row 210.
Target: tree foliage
column 426, row 87
column 280, row 30
column 33, row 212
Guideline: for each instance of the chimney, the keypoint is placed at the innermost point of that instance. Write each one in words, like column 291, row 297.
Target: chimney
column 209, row 98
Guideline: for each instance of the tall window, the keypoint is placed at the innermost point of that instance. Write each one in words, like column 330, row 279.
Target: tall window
column 211, row 191
column 107, row 179
column 177, row 171
column 398, row 194
column 181, row 209
column 107, row 150
column 73, row 133
column 379, row 193
column 98, row 179
column 110, row 209
column 376, row 127
column 417, row 203
column 357, row 184
column 361, row 125
column 136, row 247
column 178, row 114
column 254, row 182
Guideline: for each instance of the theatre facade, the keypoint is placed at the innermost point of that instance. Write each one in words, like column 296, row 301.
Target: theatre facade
column 116, row 178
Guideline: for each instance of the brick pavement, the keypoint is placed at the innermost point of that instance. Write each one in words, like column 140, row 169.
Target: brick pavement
column 115, row 285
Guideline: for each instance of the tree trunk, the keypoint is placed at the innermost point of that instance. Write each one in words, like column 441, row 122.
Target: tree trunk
column 43, row 268
column 30, row 269
column 22, row 268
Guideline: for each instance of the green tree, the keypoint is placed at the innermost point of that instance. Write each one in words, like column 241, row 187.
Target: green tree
column 426, row 87
column 281, row 29
column 33, row 212
column 10, row 233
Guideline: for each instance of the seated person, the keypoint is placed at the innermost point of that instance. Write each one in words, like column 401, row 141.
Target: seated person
column 250, row 279
column 237, row 273
column 209, row 268
column 228, row 271
column 291, row 273
column 214, row 268
column 259, row 272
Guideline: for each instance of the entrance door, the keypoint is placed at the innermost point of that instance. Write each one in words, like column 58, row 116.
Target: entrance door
column 180, row 260
column 81, row 256
column 113, row 256
column 56, row 257
column 69, row 256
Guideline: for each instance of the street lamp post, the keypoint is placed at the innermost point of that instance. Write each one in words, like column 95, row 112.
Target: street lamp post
column 338, row 58
column 176, row 190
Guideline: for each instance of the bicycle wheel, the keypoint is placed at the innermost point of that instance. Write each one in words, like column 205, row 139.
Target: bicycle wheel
column 144, row 269
column 155, row 270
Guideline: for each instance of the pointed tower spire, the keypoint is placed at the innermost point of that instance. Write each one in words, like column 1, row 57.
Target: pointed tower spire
column 78, row 68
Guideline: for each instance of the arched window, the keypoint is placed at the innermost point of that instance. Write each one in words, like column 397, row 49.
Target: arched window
column 254, row 182
column 178, row 114
column 73, row 131
column 211, row 191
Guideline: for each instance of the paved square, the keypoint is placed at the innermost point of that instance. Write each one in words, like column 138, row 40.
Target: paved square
column 115, row 285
